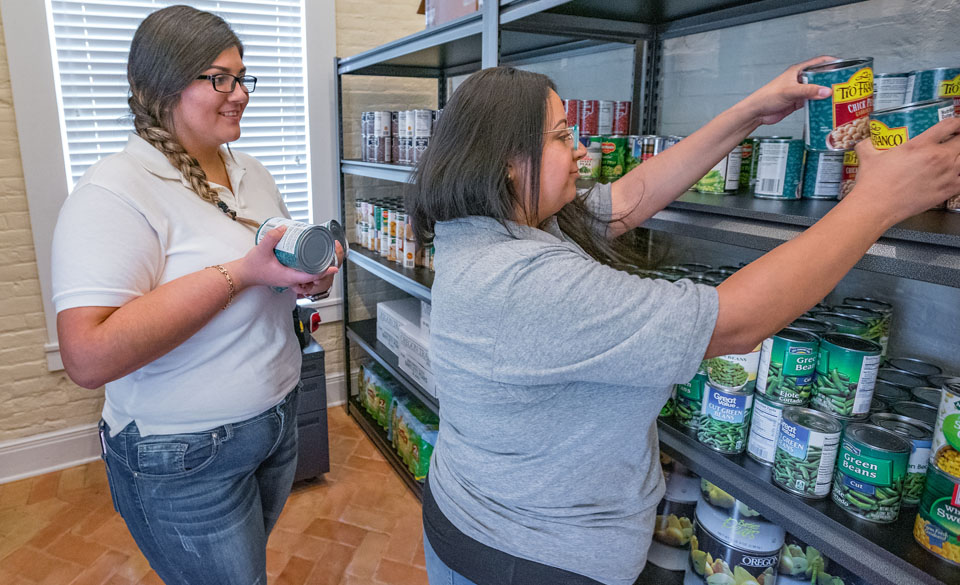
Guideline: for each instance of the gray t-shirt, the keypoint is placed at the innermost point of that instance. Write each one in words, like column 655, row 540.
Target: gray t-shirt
column 551, row 370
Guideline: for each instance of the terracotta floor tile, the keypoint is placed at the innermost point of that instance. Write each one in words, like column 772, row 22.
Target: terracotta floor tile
column 295, row 572
column 369, row 519
column 368, row 464
column 15, row 493
column 44, row 487
column 72, row 479
column 96, row 518
column 367, row 557
column 75, row 549
column 134, row 568
column 118, row 580
column 101, row 569
column 44, row 568
column 418, row 557
column 405, row 538
column 150, row 578
column 393, row 573
column 336, row 531
column 58, row 526
column 330, row 568
column 276, row 561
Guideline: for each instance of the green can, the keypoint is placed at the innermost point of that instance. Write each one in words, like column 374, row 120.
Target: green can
column 871, row 472
column 928, row 84
column 844, row 324
column 747, row 154
column 874, row 320
column 688, row 399
column 846, row 373
column 822, row 174
column 613, row 163
column 806, row 452
column 920, row 436
column 724, row 177
column 788, row 362
column 668, row 409
column 725, row 419
column 883, row 307
column 840, row 122
column 818, row 328
column 892, row 127
column 779, row 168
column 937, row 527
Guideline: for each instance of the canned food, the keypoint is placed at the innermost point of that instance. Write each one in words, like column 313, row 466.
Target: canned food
column 899, row 379
column 779, row 168
column 890, row 393
column 822, row 174
column 937, row 527
column 621, row 117
column 938, row 380
column 947, row 426
column 927, row 395
column 668, row 408
column 696, row 268
column 304, row 247
column 818, row 328
column 671, row 140
column 754, row 159
column 614, row 160
column 840, row 122
column 890, row 90
column 589, row 165
column 928, row 84
column 894, row 126
column 922, row 412
column 724, row 177
column 920, row 436
column 874, row 320
column 806, row 452
column 914, row 366
column 730, row 546
column 378, row 149
column 851, row 164
column 571, row 109
column 725, row 418
column 673, row 273
column 688, row 399
column 787, row 368
column 605, row 117
column 366, row 123
column 878, row 405
column 747, row 152
column 675, row 516
column 872, row 468
column 843, row 323
column 634, row 151
column 590, row 117
column 882, row 307
column 846, row 374
column 764, row 427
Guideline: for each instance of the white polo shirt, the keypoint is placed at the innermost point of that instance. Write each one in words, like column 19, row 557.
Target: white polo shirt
column 132, row 224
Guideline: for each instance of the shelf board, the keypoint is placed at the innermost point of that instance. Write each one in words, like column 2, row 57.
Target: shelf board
column 379, row 438
column 881, row 554
column 925, row 247
column 364, row 334
column 414, row 281
column 385, row 171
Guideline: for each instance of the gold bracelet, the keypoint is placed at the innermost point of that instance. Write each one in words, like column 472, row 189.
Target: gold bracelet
column 233, row 289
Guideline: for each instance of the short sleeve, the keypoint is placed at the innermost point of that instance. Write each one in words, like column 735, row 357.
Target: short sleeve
column 571, row 319
column 598, row 199
column 105, row 252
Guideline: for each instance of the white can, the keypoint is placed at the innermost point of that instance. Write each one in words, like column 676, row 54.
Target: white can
column 764, row 427
column 606, row 117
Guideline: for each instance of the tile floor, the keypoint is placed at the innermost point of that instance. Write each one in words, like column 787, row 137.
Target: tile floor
column 358, row 526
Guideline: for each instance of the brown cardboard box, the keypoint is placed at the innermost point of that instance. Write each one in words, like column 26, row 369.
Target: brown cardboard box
column 440, row 11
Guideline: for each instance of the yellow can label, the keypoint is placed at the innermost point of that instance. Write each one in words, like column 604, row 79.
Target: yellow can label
column 883, row 137
column 853, row 98
column 850, row 158
column 950, row 88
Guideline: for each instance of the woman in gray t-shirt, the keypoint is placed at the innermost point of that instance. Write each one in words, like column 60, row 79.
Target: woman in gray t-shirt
column 552, row 366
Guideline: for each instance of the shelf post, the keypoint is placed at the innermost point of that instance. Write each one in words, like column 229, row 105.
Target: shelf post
column 490, row 37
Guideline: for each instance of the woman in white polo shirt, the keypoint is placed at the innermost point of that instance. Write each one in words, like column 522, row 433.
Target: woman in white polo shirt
column 161, row 295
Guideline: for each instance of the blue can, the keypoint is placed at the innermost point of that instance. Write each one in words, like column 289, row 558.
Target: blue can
column 929, row 84
column 779, row 168
column 822, row 174
column 894, row 126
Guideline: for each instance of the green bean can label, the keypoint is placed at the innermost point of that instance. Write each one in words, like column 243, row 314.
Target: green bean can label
column 735, row 371
column 846, row 374
column 937, row 527
column 787, row 369
column 668, row 408
column 688, row 400
column 725, row 420
column 869, row 481
column 724, row 177
column 764, row 428
column 804, row 460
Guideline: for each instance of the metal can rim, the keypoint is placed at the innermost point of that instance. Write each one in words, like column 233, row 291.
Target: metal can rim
column 858, row 433
column 911, row 107
column 837, row 65
column 829, row 425
column 890, row 364
column 860, row 345
column 924, row 428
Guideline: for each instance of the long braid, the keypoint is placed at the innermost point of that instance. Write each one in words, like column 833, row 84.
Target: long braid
column 149, row 127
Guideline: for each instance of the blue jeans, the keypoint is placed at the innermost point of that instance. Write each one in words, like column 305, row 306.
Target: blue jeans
column 438, row 573
column 201, row 505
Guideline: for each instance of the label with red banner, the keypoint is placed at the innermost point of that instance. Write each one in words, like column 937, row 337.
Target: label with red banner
column 853, row 98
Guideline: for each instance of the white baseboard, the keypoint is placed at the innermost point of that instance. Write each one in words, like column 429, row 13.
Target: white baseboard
column 47, row 452
column 53, row 451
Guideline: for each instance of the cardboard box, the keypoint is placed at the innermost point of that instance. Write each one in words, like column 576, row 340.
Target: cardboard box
column 419, row 374
column 394, row 315
column 425, row 318
column 416, row 346
column 442, row 11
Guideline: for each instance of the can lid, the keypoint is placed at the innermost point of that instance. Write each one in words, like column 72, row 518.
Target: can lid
column 811, row 325
column 882, row 75
column 890, row 393
column 838, row 64
column 840, row 320
column 914, row 366
column 674, row 268
column 878, row 404
column 899, row 378
column 940, row 102
column 812, row 419
column 917, row 410
column 952, row 385
column 316, row 250
column 902, row 425
column 939, row 380
column 927, row 395
column 876, row 438
column 858, row 312
column 777, row 140
column 771, row 137
column 869, row 303
column 800, row 335
column 852, row 342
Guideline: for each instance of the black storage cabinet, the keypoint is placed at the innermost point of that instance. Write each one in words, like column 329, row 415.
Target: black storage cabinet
column 313, row 455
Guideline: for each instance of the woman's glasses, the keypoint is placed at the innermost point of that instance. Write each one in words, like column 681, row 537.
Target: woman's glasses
column 226, row 83
column 571, row 136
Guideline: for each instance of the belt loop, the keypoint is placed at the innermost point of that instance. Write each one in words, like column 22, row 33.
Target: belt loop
column 226, row 431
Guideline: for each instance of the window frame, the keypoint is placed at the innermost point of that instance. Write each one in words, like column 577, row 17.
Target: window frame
column 42, row 137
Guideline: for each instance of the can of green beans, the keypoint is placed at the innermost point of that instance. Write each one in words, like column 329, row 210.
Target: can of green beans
column 840, row 122
column 788, row 362
column 882, row 307
column 725, row 419
column 735, row 372
column 764, row 427
column 822, row 174
column 871, row 472
column 688, row 399
column 900, row 379
column 818, row 328
column 668, row 408
column 846, row 374
column 779, row 168
column 927, row 395
column 844, row 323
column 806, row 452
column 915, row 367
column 920, row 436
column 874, row 320
column 724, row 177
column 922, row 412
column 889, row 393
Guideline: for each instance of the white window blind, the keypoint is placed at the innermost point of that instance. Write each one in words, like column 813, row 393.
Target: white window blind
column 92, row 41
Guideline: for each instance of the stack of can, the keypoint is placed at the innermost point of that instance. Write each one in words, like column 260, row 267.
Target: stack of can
column 376, row 136
column 383, row 226
column 396, row 137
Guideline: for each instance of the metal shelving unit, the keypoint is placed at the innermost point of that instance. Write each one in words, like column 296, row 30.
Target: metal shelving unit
column 925, row 248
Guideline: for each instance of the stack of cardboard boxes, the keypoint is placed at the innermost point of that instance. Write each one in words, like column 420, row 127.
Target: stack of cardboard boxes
column 403, row 326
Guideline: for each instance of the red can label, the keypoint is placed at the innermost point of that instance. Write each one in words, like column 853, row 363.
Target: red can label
column 621, row 117
column 590, row 118
column 572, row 110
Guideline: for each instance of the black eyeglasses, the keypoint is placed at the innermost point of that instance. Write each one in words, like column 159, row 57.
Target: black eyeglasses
column 226, row 83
